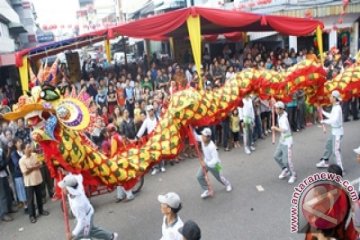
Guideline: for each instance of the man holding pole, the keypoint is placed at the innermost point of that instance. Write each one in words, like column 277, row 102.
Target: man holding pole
column 72, row 185
column 283, row 152
column 212, row 163
column 333, row 143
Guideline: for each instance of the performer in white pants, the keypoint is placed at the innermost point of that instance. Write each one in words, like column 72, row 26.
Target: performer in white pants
column 333, row 143
column 283, row 152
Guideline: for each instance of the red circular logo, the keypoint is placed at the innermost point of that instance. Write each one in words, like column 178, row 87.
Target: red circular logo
column 325, row 205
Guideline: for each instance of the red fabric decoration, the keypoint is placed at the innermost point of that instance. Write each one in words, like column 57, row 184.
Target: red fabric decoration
column 234, row 36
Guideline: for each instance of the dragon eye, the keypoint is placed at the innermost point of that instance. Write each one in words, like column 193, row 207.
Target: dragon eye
column 49, row 95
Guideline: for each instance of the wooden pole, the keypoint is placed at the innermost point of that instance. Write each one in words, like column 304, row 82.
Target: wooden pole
column 319, row 110
column 65, row 209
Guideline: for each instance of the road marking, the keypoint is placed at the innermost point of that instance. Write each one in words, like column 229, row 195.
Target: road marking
column 260, row 188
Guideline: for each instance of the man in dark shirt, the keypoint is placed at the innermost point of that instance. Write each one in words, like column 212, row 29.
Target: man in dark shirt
column 22, row 131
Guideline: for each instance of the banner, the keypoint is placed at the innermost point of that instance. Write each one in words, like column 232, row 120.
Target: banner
column 193, row 25
column 24, row 74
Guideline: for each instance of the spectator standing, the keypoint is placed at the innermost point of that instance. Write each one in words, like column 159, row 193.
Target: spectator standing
column 23, row 132
column 235, row 127
column 5, row 191
column 247, row 116
column 130, row 98
column 291, row 109
column 30, row 169
column 16, row 154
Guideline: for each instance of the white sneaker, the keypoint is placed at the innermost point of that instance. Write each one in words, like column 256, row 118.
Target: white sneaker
column 252, row 148
column 229, row 188
column 247, row 151
column 163, row 169
column 357, row 150
column 205, row 194
column 284, row 173
column 115, row 236
column 322, row 164
column 154, row 171
column 292, row 179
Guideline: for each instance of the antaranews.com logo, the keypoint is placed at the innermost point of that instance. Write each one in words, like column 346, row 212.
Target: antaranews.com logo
column 321, row 201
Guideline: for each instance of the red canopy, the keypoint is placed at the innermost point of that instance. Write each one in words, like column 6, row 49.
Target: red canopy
column 173, row 24
column 215, row 21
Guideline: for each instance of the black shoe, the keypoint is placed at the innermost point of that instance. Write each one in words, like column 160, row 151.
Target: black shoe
column 26, row 210
column 44, row 213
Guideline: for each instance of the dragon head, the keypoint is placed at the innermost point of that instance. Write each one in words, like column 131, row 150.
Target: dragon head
column 44, row 107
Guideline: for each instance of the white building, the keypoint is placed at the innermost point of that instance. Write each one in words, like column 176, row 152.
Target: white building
column 10, row 27
column 27, row 14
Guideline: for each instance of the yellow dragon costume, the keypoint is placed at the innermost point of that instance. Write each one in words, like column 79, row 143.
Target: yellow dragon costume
column 59, row 121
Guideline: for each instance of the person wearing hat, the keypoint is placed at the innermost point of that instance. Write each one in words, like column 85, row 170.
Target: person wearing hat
column 283, row 152
column 212, row 163
column 149, row 125
column 333, row 143
column 170, row 205
column 80, row 206
column 190, row 231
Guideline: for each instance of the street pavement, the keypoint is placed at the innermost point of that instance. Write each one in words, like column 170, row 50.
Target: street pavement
column 245, row 213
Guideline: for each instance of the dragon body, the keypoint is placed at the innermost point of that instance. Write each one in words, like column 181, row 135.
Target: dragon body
column 60, row 121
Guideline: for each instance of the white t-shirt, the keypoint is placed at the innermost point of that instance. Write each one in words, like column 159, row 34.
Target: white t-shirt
column 286, row 137
column 211, row 155
column 335, row 120
column 149, row 125
column 171, row 232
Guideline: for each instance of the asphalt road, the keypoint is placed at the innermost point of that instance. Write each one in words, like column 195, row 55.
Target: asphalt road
column 245, row 213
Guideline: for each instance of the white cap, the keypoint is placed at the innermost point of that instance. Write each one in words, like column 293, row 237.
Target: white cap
column 68, row 181
column 336, row 94
column 73, row 184
column 171, row 199
column 357, row 150
column 149, row 108
column 280, row 104
column 206, row 132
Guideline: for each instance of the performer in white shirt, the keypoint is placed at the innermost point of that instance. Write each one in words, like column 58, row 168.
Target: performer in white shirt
column 212, row 162
column 149, row 125
column 283, row 152
column 72, row 185
column 333, row 143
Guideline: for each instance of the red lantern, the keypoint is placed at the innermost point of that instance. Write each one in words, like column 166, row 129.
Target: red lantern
column 69, row 26
column 340, row 21
column 45, row 27
column 54, row 26
column 62, row 26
